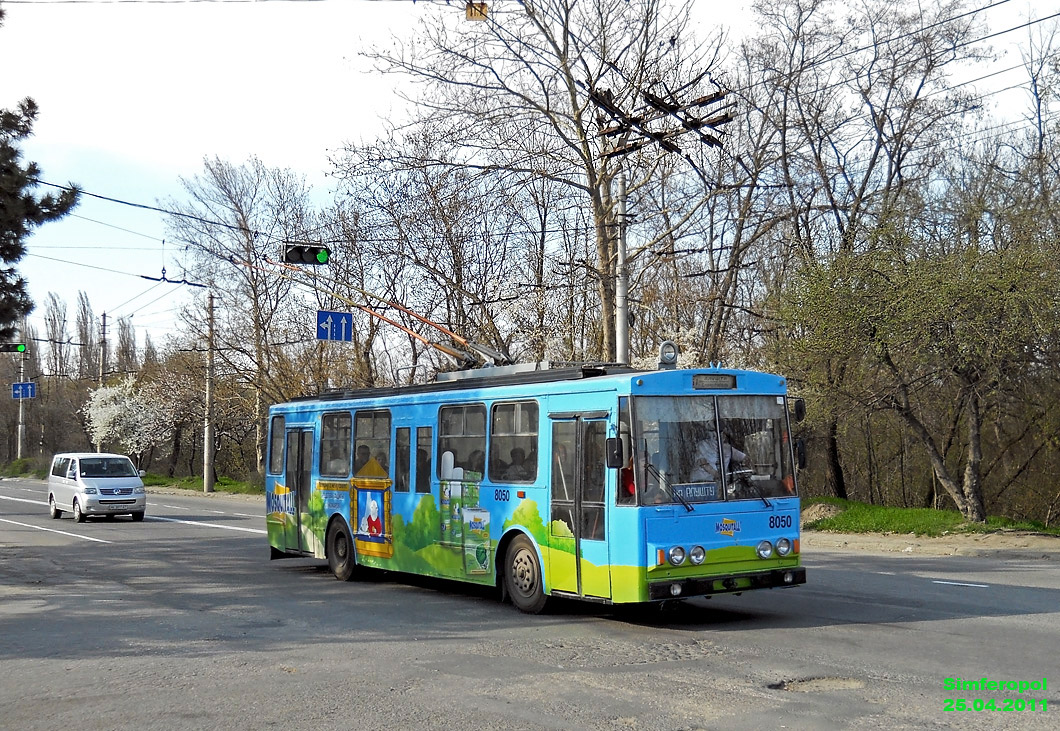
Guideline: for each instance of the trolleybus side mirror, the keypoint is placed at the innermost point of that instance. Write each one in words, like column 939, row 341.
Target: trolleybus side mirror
column 613, row 447
column 800, row 410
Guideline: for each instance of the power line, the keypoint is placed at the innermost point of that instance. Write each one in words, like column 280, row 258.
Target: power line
column 75, row 263
column 146, row 207
column 119, row 228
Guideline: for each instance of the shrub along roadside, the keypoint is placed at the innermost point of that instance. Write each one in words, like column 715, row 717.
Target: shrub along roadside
column 194, row 484
column 857, row 517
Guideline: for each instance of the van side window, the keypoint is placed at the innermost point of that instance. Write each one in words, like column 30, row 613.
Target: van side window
column 60, row 465
column 71, row 473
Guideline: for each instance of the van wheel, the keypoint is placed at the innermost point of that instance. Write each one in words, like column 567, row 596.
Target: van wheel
column 52, row 509
column 523, row 576
column 137, row 517
column 342, row 559
column 79, row 517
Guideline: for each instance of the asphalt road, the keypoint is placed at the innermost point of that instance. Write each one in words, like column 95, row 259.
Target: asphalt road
column 182, row 622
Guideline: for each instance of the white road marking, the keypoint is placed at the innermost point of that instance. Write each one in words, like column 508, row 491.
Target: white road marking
column 206, row 525
column 150, row 517
column 52, row 530
column 960, row 583
column 23, row 500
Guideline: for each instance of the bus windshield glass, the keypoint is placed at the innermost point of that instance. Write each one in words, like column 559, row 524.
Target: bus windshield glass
column 707, row 448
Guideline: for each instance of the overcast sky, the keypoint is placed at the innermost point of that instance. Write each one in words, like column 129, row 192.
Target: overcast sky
column 133, row 95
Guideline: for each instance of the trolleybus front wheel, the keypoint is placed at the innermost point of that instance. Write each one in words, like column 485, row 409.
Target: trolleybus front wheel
column 523, row 576
column 342, row 559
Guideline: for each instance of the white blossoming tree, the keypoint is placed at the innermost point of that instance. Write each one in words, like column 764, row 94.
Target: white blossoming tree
column 139, row 419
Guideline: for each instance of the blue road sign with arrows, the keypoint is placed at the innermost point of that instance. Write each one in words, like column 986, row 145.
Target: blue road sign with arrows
column 24, row 390
column 334, row 325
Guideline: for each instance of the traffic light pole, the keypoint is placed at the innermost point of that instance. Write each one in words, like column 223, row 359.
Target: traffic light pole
column 21, row 408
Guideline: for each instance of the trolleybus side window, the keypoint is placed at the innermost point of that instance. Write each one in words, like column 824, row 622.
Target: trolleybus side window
column 626, row 494
column 424, row 443
column 462, row 433
column 335, row 444
column 513, row 442
column 593, row 480
column 276, row 445
column 372, row 436
column 563, row 476
column 402, row 465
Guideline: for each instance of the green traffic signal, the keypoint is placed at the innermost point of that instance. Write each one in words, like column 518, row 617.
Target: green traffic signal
column 306, row 255
column 12, row 347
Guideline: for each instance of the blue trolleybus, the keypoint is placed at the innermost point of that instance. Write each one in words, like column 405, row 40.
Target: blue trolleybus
column 595, row 482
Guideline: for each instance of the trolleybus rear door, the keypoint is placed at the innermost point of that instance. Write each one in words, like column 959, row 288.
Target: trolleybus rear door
column 298, row 477
column 577, row 529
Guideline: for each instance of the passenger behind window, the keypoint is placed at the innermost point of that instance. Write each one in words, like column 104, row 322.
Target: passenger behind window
column 518, row 469
column 476, row 463
column 363, row 455
column 423, row 470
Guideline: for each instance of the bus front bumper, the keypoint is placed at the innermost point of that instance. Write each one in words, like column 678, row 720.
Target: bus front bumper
column 772, row 579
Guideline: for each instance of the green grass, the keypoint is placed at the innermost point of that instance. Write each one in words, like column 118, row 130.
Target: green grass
column 863, row 518
column 223, row 484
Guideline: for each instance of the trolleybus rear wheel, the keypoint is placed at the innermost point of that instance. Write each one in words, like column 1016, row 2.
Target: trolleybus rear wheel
column 341, row 557
column 523, row 576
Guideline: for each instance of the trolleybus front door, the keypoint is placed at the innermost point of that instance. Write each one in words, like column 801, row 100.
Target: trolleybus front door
column 577, row 532
column 298, row 477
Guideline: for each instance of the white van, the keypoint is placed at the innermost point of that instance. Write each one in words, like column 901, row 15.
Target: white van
column 95, row 484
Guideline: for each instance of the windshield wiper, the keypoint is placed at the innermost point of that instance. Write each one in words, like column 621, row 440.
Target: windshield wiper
column 669, row 488
column 746, row 475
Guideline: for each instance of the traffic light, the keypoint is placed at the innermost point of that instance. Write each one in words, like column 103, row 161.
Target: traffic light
column 307, row 255
column 12, row 347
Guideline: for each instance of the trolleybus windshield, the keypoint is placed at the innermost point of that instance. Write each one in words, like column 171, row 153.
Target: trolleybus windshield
column 705, row 448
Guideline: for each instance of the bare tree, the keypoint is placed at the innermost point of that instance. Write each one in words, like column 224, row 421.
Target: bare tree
column 57, row 335
column 235, row 220
column 125, row 358
column 88, row 350
column 517, row 93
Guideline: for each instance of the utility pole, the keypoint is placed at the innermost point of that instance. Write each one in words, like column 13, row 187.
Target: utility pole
column 102, row 363
column 103, row 350
column 661, row 122
column 207, row 431
column 621, row 280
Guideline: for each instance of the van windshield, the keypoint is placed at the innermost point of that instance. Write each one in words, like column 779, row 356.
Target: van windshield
column 107, row 467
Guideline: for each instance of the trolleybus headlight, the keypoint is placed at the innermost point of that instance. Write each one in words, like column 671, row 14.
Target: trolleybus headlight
column 677, row 555
column 783, row 547
column 765, row 549
column 696, row 555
